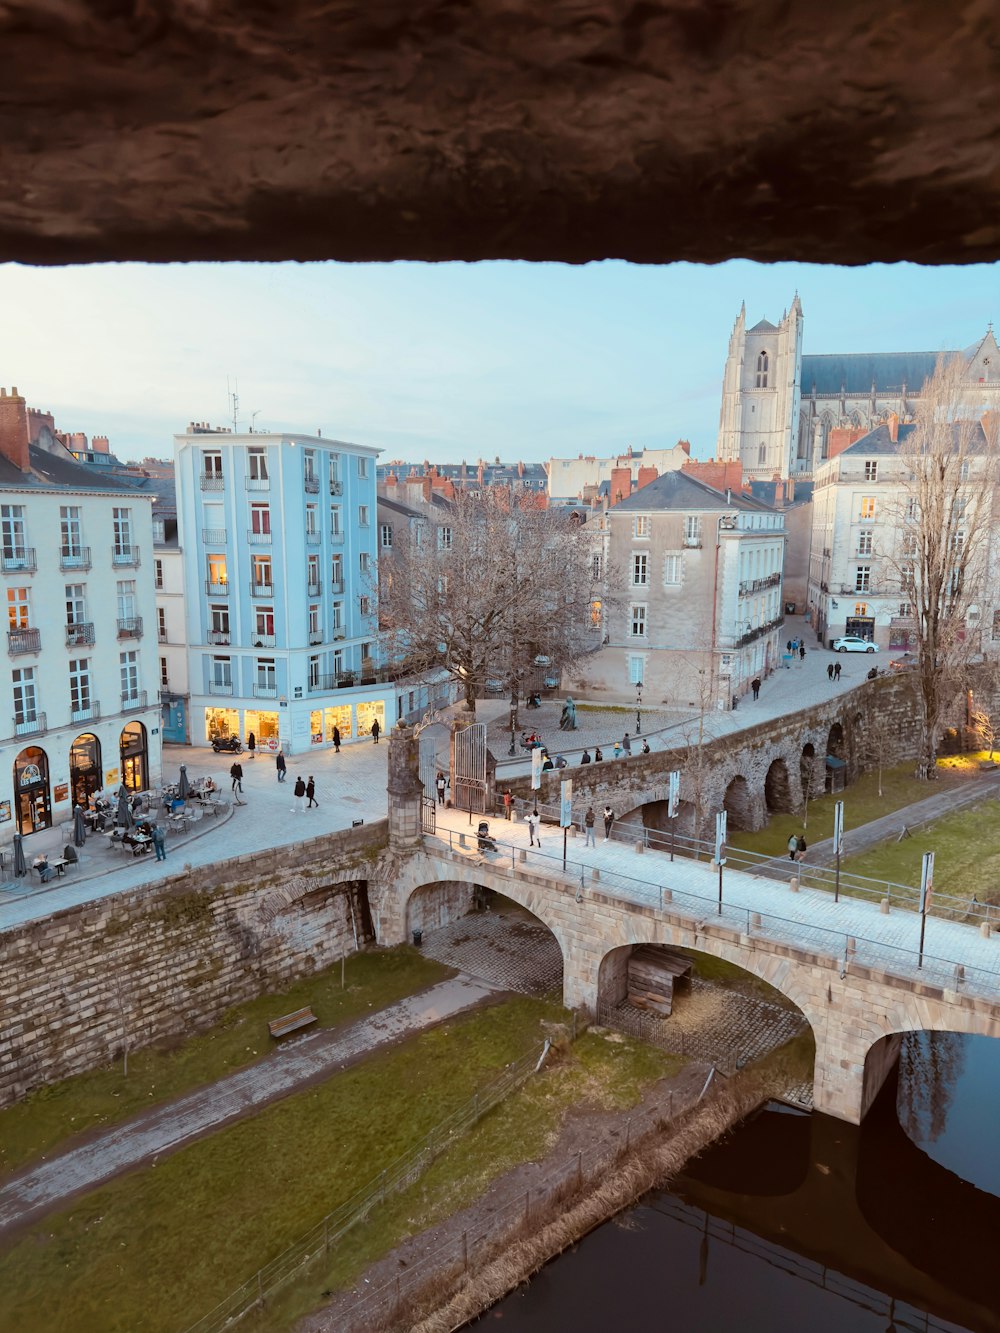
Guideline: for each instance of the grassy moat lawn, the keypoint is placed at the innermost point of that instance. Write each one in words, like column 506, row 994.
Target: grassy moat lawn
column 155, row 1250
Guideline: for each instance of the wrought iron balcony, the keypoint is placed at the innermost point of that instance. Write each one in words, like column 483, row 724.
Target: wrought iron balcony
column 219, row 637
column 220, row 687
column 210, row 482
column 336, row 586
column 258, row 538
column 80, row 634
column 264, row 640
column 133, row 702
column 130, row 627
column 217, row 589
column 18, row 559
column 258, row 483
column 261, row 589
column 125, row 556
column 749, row 586
column 92, row 713
column 315, row 637
column 30, row 726
column 74, row 559
column 313, row 588
column 23, row 641
column 265, row 691
column 692, row 541
column 214, row 536
column 336, row 488
column 751, row 635
column 337, row 537
column 313, row 538
column 312, row 485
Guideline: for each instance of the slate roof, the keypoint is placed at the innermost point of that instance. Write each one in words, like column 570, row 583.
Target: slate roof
column 680, row 491
column 879, row 441
column 889, row 370
column 57, row 471
column 763, row 326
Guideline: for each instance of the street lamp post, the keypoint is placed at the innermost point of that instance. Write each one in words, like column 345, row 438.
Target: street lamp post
column 638, row 708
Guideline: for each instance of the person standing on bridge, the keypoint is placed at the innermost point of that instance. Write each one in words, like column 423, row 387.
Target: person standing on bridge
column 609, row 821
column 585, row 757
column 793, row 846
column 829, row 671
column 627, row 743
column 508, row 800
column 645, row 746
column 589, row 820
column 755, row 686
column 533, row 825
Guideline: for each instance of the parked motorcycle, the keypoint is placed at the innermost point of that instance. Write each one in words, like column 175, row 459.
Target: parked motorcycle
column 227, row 745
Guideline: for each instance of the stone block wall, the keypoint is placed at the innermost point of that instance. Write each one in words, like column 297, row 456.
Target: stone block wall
column 438, row 905
column 170, row 959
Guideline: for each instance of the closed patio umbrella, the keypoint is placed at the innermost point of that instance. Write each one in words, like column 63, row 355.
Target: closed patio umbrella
column 79, row 827
column 124, row 809
column 183, row 788
column 20, row 866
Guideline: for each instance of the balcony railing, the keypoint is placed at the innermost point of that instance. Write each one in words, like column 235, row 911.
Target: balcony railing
column 265, row 691
column 132, row 702
column 368, row 675
column 219, row 636
column 261, row 589
column 220, row 687
column 315, row 637
column 78, row 559
column 122, row 556
column 313, row 538
column 336, row 586
column 258, row 483
column 216, row 589
column 258, row 538
column 210, row 482
column 214, row 536
column 80, row 634
column 759, row 632
column 692, row 541
column 336, row 488
column 749, row 586
column 23, row 641
column 264, row 640
column 336, row 537
column 312, row 485
column 15, row 559
column 313, row 588
column 92, row 713
column 130, row 627
column 30, row 726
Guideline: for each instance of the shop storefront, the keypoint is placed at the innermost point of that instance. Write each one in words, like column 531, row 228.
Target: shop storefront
column 86, row 776
column 31, row 791
column 135, row 760
column 369, row 712
column 342, row 717
column 264, row 727
column 221, row 722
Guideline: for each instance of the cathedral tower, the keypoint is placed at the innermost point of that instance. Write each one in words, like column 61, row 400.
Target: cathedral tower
column 759, row 420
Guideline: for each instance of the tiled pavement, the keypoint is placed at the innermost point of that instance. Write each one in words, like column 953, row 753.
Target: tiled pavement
column 510, row 949
column 809, row 918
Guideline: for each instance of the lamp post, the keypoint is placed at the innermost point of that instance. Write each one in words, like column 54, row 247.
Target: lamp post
column 638, row 708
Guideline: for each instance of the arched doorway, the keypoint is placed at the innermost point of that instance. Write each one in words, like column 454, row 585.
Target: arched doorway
column 32, row 799
column 85, row 774
column 777, row 788
column 738, row 805
column 836, row 759
column 135, row 766
column 807, row 772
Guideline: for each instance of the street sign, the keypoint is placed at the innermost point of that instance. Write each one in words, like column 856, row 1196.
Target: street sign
column 838, row 828
column 566, row 803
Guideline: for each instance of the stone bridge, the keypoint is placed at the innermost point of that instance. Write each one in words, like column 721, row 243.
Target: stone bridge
column 774, row 766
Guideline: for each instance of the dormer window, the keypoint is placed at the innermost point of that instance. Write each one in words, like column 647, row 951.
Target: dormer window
column 762, row 370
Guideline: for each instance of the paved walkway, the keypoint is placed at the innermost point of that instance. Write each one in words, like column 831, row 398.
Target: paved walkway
column 809, row 919
column 163, row 1129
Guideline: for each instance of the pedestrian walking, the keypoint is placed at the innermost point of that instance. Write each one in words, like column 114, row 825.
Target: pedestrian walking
column 336, row 740
column 158, row 842
column 439, row 785
column 609, row 821
column 299, row 792
column 375, row 731
column 252, row 745
column 829, row 671
column 236, row 773
column 585, row 757
column 788, row 646
column 598, row 756
column 645, row 747
column 801, row 848
column 533, row 825
column 627, row 743
column 793, row 846
column 508, row 803
column 588, row 827
column 836, row 671
column 311, row 793
column 755, row 686
column 618, row 750
column 802, row 652
column 280, row 765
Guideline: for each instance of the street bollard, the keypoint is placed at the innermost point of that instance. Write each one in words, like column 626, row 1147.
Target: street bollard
column 595, row 875
column 793, row 884
column 985, row 929
column 883, row 907
column 639, row 847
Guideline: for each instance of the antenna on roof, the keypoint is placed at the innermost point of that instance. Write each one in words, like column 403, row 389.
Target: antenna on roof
column 234, row 400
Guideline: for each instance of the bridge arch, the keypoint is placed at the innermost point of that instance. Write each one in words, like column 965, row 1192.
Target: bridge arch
column 738, row 803
column 778, row 794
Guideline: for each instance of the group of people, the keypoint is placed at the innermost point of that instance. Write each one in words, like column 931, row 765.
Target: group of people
column 624, row 746
column 796, row 847
column 833, row 671
column 589, row 820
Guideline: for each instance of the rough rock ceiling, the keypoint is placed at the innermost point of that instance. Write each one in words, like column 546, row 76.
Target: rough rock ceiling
column 474, row 129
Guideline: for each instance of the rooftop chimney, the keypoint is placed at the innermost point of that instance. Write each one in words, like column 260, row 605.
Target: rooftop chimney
column 14, row 428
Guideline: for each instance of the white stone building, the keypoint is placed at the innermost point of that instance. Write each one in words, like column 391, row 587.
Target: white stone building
column 779, row 405
column 80, row 710
column 697, row 610
column 571, row 480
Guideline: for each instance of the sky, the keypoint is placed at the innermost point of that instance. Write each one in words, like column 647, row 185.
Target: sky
column 444, row 362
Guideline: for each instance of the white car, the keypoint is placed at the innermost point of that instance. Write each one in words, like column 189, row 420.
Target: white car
column 853, row 643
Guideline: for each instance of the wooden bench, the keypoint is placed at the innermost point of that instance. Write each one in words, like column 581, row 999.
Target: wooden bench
column 280, row 1027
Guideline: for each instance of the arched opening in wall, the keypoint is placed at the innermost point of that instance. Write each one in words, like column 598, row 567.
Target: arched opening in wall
column 32, row 797
column 660, row 828
column 836, row 759
column 778, row 794
column 325, row 924
column 807, row 773
column 700, row 1006
column 486, row 935
column 85, row 775
column 135, row 767
column 738, row 805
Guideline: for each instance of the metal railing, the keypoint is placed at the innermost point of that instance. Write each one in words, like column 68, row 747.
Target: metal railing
column 311, row 485
column 91, row 713
column 80, row 633
column 258, row 483
column 125, row 556
column 264, row 640
column 214, row 536
column 78, row 559
column 839, row 946
column 265, row 691
column 134, row 701
column 208, row 481
column 217, row 589
column 220, row 687
column 219, row 637
column 30, row 726
column 314, row 587
column 396, row 1177
column 336, row 586
column 18, row 559
column 337, row 537
column 261, row 589
column 313, row 538
column 23, row 641
column 258, row 538
column 131, row 628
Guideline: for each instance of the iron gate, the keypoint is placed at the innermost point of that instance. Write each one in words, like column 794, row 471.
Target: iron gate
column 428, row 815
column 469, row 785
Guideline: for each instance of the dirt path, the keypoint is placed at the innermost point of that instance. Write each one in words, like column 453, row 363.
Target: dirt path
column 294, row 1065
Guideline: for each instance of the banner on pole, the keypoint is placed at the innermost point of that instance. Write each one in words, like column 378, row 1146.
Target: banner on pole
column 566, row 803
column 536, row 768
column 926, row 882
column 674, row 799
column 720, row 838
column 838, row 828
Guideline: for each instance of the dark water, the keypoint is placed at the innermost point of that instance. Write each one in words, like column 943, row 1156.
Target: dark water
column 801, row 1222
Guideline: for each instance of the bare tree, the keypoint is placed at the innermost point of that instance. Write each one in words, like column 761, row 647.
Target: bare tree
column 879, row 743
column 502, row 582
column 987, row 727
column 941, row 540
